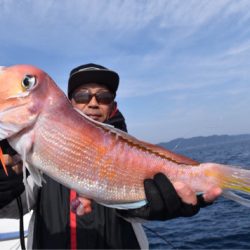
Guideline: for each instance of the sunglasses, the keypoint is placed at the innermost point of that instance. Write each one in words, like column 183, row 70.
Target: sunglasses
column 84, row 97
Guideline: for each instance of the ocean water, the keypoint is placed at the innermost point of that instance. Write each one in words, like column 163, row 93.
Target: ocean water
column 223, row 225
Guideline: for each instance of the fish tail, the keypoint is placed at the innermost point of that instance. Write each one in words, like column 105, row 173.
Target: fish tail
column 237, row 198
column 237, row 179
column 3, row 162
column 231, row 179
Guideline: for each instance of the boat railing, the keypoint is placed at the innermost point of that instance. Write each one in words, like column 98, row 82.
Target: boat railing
column 12, row 235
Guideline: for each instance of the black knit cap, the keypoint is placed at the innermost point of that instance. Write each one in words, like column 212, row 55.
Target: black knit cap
column 92, row 73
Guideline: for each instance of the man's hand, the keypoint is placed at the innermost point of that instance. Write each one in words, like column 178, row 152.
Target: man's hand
column 188, row 196
column 168, row 201
column 81, row 206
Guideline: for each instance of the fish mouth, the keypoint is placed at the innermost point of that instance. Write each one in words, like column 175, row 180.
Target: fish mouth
column 6, row 110
column 8, row 129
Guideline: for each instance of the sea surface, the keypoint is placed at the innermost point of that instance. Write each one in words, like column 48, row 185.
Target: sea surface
column 223, row 225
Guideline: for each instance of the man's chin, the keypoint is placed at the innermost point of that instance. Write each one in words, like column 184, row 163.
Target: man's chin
column 96, row 118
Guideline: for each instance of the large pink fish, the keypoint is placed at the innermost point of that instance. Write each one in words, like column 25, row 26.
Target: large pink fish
column 98, row 161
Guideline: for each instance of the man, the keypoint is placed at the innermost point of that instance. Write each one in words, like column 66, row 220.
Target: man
column 92, row 90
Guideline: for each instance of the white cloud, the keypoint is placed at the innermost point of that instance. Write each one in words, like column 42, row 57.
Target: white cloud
column 176, row 48
column 239, row 49
column 84, row 17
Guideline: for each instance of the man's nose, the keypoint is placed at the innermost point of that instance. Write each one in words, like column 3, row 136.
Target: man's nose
column 93, row 101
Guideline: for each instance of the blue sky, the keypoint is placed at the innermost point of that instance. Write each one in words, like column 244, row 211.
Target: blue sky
column 184, row 65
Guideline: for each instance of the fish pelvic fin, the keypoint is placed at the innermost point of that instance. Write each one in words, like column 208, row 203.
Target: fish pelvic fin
column 36, row 176
column 3, row 162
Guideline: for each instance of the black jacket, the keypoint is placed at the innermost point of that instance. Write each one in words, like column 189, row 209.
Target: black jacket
column 11, row 185
column 100, row 229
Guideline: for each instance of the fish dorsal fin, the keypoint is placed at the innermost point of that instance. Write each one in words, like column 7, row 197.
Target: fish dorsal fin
column 154, row 149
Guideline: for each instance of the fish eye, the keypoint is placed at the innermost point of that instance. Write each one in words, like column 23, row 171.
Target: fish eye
column 28, row 81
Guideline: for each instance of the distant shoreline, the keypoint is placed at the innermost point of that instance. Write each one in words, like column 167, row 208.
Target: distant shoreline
column 203, row 141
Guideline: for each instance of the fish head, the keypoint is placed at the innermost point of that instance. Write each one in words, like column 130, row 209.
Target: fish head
column 24, row 91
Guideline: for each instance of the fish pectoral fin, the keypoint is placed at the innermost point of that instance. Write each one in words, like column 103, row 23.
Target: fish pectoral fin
column 131, row 205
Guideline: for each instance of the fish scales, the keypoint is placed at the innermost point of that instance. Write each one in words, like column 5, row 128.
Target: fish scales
column 118, row 162
column 94, row 172
column 91, row 170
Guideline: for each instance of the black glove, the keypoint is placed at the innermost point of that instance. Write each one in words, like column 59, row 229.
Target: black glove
column 163, row 202
column 11, row 186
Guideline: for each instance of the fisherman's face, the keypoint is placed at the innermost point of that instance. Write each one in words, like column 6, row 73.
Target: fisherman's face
column 94, row 100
